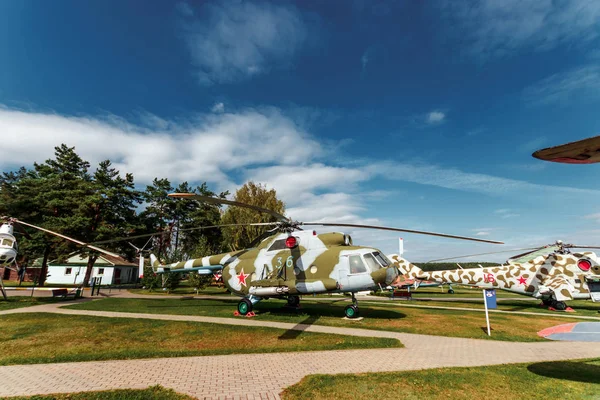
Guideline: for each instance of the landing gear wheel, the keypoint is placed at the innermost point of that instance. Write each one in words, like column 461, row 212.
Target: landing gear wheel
column 244, row 306
column 451, row 291
column 559, row 305
column 293, row 301
column 351, row 311
column 547, row 302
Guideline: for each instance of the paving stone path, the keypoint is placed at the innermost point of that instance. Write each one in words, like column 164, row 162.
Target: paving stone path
column 260, row 376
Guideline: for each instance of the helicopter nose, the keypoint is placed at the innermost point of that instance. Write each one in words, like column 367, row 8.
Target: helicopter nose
column 391, row 274
column 7, row 256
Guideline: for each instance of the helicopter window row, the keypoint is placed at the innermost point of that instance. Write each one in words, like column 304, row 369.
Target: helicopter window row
column 8, row 242
column 371, row 262
column 357, row 266
column 383, row 260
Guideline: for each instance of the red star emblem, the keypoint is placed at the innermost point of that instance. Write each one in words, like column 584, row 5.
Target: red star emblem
column 522, row 280
column 242, row 277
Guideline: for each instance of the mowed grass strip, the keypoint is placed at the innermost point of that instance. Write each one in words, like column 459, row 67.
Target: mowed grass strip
column 154, row 392
column 581, row 307
column 25, row 301
column 545, row 380
column 386, row 316
column 44, row 338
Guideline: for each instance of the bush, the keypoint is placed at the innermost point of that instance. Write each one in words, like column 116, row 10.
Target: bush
column 151, row 281
column 198, row 281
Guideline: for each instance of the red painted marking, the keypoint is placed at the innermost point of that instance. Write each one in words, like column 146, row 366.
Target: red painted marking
column 522, row 281
column 242, row 277
column 564, row 328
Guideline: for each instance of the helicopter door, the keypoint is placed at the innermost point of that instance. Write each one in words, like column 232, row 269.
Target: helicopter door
column 594, row 287
column 343, row 272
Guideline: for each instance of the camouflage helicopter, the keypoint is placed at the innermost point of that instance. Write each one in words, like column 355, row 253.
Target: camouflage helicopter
column 288, row 262
column 551, row 273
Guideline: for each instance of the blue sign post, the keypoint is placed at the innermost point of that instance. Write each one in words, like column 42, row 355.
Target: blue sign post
column 489, row 299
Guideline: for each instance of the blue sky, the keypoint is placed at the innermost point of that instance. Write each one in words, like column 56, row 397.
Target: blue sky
column 413, row 114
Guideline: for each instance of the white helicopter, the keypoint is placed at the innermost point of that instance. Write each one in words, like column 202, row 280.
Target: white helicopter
column 8, row 245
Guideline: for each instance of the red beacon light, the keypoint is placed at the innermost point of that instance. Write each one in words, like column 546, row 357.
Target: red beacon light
column 584, row 265
column 291, row 242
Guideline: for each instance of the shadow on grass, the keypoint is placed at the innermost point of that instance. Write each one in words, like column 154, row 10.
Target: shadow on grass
column 198, row 303
column 330, row 310
column 291, row 334
column 583, row 371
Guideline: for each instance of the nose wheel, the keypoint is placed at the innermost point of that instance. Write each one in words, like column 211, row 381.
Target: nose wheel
column 351, row 311
column 293, row 301
column 244, row 306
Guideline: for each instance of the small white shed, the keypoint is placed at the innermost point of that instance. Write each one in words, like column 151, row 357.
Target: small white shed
column 112, row 270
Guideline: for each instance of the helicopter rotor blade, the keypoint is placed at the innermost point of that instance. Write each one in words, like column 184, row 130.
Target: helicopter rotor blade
column 385, row 228
column 214, row 200
column 145, row 235
column 67, row 238
column 483, row 254
column 573, row 246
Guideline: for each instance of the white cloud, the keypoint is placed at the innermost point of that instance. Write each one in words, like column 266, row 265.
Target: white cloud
column 206, row 149
column 565, row 87
column 233, row 41
column 498, row 28
column 292, row 182
column 482, row 233
column 329, row 207
column 595, row 217
column 218, row 108
column 435, row 117
column 452, row 178
column 506, row 213
column 267, row 146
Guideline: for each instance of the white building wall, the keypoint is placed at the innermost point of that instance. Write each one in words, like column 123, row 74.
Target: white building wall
column 57, row 275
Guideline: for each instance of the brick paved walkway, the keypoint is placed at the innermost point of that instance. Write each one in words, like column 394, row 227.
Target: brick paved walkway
column 265, row 375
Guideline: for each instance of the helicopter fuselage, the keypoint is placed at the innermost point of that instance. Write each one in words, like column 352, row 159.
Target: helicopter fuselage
column 302, row 263
column 564, row 276
column 8, row 245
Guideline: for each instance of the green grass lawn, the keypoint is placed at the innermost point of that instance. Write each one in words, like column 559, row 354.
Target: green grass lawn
column 545, row 380
column 155, row 393
column 43, row 337
column 459, row 291
column 25, row 301
column 385, row 316
column 582, row 307
column 184, row 289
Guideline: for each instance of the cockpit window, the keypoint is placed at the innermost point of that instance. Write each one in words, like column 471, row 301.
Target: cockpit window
column 383, row 260
column 371, row 263
column 357, row 266
column 7, row 242
column 278, row 245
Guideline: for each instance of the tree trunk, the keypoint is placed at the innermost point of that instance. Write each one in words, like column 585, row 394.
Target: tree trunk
column 88, row 270
column 44, row 269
